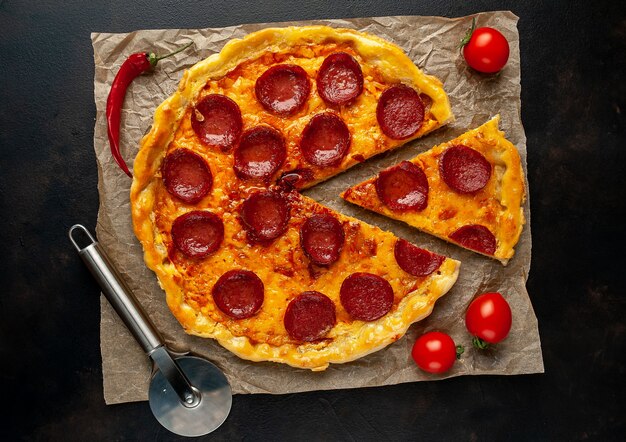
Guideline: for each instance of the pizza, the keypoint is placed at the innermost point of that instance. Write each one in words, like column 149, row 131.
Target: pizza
column 468, row 191
column 242, row 256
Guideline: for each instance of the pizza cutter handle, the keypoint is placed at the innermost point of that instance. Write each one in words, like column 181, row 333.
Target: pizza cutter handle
column 132, row 314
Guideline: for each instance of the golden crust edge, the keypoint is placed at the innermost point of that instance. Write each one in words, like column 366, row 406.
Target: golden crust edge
column 513, row 187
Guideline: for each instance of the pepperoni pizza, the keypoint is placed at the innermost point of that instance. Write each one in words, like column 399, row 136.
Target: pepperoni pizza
column 468, row 191
column 243, row 257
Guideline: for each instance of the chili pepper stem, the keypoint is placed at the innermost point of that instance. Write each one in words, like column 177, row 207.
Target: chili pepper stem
column 154, row 58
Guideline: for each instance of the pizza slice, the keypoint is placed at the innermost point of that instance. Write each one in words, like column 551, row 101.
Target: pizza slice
column 468, row 191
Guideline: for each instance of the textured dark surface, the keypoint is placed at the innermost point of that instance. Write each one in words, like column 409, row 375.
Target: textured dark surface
column 573, row 96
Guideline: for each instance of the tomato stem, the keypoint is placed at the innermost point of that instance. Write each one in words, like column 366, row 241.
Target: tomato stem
column 468, row 35
column 479, row 343
column 459, row 351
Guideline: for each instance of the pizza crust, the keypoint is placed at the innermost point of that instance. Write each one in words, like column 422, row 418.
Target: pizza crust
column 350, row 340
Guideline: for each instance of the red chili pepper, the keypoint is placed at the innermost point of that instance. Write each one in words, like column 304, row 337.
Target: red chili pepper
column 133, row 66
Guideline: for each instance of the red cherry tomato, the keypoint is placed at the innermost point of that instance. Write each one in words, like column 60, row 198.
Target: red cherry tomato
column 488, row 317
column 485, row 49
column 434, row 352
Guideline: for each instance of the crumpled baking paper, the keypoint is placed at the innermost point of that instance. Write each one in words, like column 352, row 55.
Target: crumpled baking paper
column 432, row 43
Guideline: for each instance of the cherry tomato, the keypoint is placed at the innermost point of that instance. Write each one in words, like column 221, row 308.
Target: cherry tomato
column 488, row 317
column 485, row 49
column 434, row 352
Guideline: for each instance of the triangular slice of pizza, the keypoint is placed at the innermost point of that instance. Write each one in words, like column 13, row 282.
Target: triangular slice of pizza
column 468, row 191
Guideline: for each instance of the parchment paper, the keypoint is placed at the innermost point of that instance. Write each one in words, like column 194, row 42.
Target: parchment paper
column 431, row 42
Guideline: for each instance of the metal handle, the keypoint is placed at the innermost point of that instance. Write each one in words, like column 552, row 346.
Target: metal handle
column 132, row 314
column 117, row 292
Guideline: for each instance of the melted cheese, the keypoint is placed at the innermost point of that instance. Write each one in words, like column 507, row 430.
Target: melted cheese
column 367, row 139
column 282, row 266
column 498, row 206
column 287, row 272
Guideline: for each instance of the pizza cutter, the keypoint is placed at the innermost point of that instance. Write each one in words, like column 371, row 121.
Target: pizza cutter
column 188, row 395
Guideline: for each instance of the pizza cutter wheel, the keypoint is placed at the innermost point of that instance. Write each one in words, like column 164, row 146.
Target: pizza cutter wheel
column 188, row 395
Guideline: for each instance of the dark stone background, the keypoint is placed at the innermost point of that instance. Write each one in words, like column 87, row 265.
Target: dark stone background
column 573, row 95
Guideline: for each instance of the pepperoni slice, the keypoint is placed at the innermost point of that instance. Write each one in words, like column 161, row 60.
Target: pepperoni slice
column 365, row 296
column 403, row 187
column 400, row 112
column 295, row 179
column 186, row 176
column 414, row 260
column 283, row 89
column 260, row 153
column 265, row 215
column 321, row 238
column 475, row 237
column 197, row 234
column 340, row 79
column 310, row 316
column 239, row 293
column 216, row 119
column 325, row 140
column 464, row 169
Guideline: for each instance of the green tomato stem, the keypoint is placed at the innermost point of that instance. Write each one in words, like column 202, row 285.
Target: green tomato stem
column 459, row 351
column 468, row 35
column 479, row 343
